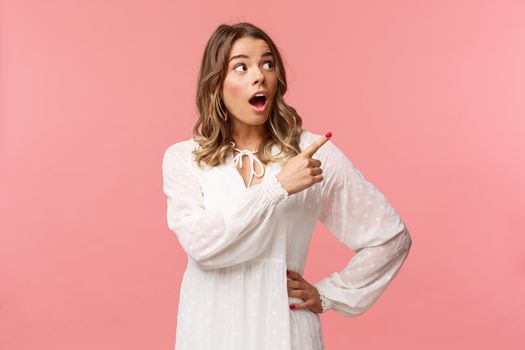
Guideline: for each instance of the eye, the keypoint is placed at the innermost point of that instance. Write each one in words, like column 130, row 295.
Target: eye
column 243, row 65
column 240, row 65
column 271, row 64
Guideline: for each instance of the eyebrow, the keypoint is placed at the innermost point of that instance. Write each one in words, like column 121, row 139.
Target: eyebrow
column 266, row 54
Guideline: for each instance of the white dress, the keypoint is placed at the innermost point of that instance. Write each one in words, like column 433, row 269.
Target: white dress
column 241, row 240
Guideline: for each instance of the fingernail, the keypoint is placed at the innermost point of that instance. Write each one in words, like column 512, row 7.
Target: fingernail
column 292, row 306
column 328, row 134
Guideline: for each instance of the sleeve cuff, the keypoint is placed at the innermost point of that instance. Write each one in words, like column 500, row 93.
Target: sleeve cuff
column 325, row 302
column 272, row 188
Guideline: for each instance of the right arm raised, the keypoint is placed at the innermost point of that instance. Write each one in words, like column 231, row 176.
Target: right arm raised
column 218, row 237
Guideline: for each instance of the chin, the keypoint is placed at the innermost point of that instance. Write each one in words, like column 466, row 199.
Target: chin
column 261, row 120
column 255, row 120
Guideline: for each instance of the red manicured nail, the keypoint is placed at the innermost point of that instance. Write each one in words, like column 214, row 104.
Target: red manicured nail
column 292, row 306
column 328, row 134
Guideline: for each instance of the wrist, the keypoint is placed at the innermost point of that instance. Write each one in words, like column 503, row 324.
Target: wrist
column 282, row 183
column 272, row 187
column 326, row 304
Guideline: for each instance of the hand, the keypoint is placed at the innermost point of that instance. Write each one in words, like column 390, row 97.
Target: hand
column 298, row 287
column 302, row 171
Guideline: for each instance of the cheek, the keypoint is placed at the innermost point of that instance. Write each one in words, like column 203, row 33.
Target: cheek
column 273, row 82
column 232, row 90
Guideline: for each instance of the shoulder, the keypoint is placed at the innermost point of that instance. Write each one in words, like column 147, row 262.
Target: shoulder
column 181, row 146
column 308, row 137
column 179, row 151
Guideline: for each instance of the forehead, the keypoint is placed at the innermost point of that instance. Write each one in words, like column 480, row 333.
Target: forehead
column 249, row 45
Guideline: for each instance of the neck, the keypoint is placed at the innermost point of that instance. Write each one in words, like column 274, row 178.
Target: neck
column 249, row 136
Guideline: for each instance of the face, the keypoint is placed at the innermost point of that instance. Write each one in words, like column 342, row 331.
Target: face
column 250, row 69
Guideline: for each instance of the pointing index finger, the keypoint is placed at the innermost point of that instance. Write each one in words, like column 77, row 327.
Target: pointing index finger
column 314, row 147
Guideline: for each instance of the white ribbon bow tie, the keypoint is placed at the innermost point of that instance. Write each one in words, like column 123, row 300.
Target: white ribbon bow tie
column 238, row 160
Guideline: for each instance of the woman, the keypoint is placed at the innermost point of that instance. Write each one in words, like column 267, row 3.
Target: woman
column 244, row 195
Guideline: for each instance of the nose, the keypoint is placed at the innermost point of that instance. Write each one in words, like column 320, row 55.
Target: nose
column 258, row 77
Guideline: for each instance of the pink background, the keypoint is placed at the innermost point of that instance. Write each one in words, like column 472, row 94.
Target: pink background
column 427, row 98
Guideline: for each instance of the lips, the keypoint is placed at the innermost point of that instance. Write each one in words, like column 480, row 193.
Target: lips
column 258, row 107
column 258, row 98
column 257, row 101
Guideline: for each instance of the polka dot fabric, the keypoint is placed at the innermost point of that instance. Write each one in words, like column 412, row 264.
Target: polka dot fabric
column 361, row 217
column 241, row 240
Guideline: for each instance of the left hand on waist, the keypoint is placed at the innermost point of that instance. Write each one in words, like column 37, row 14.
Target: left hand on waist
column 300, row 288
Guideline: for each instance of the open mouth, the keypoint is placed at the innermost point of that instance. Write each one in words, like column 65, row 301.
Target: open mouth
column 257, row 101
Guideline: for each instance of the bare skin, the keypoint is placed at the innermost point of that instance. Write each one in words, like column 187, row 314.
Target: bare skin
column 302, row 171
column 300, row 288
column 246, row 75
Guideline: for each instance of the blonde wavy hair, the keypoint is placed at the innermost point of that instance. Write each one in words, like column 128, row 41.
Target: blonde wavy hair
column 212, row 132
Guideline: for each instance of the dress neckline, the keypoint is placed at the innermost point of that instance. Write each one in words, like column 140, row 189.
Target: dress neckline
column 237, row 162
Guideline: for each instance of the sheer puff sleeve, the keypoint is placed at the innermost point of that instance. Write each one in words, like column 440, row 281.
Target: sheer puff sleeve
column 360, row 217
column 216, row 237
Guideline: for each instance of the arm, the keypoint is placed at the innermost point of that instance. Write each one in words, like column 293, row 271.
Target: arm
column 360, row 216
column 218, row 237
